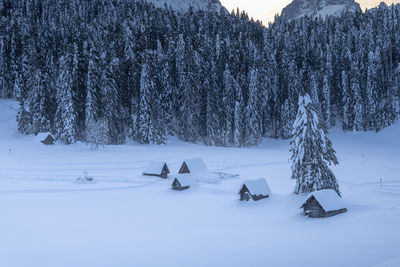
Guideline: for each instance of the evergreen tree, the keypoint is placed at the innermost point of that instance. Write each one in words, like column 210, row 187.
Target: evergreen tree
column 228, row 107
column 190, row 100
column 65, row 115
column 98, row 133
column 212, row 118
column 326, row 103
column 357, row 105
column 112, row 109
column 93, row 99
column 163, row 97
column 345, row 102
column 39, row 101
column 312, row 151
column 145, row 123
column 24, row 117
column 314, row 91
column 286, row 122
column 253, row 130
column 2, row 67
column 238, row 118
column 396, row 93
column 372, row 90
column 79, row 82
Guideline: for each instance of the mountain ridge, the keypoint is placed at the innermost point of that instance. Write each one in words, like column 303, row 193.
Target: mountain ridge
column 318, row 8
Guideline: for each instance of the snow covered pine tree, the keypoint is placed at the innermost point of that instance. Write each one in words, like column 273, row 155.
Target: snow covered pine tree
column 312, row 151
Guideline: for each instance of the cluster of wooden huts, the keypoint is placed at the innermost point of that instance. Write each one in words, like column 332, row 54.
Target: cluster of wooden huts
column 190, row 173
column 319, row 204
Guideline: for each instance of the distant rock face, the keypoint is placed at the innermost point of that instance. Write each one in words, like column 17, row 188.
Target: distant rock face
column 184, row 5
column 318, row 8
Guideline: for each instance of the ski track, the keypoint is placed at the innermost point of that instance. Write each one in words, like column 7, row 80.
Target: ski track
column 77, row 190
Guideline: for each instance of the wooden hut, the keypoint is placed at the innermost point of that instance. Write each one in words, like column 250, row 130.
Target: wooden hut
column 198, row 169
column 45, row 138
column 183, row 182
column 254, row 189
column 323, row 203
column 194, row 166
column 157, row 168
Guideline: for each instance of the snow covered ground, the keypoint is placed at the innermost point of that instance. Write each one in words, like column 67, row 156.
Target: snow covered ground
column 125, row 219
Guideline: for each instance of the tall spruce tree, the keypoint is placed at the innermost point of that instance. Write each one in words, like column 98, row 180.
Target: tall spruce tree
column 238, row 117
column 146, row 129
column 24, row 117
column 312, row 151
column 93, row 100
column 326, row 101
column 112, row 109
column 65, row 118
column 253, row 131
column 357, row 105
column 372, row 91
column 228, row 107
column 2, row 66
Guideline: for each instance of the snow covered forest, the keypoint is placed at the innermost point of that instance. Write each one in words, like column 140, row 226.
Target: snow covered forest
column 124, row 70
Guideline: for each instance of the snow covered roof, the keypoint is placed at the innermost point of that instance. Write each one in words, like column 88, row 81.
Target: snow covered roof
column 196, row 165
column 41, row 137
column 328, row 199
column 186, row 179
column 258, row 187
column 155, row 167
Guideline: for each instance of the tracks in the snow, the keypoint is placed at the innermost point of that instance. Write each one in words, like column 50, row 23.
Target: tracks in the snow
column 72, row 190
column 390, row 187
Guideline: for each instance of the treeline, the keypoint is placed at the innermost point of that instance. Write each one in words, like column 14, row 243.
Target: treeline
column 116, row 70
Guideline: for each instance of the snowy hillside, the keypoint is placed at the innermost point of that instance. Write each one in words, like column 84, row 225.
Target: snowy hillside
column 318, row 8
column 184, row 5
column 126, row 219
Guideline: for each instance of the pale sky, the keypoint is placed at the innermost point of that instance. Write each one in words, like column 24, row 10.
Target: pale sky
column 266, row 9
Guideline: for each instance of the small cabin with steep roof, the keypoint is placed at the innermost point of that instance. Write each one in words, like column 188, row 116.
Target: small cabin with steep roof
column 198, row 169
column 183, row 182
column 194, row 166
column 254, row 189
column 157, row 168
column 45, row 138
column 323, row 203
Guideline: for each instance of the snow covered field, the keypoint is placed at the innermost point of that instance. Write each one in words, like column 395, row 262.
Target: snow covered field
column 126, row 219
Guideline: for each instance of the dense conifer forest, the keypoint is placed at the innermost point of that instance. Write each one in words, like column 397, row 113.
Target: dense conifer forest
column 124, row 70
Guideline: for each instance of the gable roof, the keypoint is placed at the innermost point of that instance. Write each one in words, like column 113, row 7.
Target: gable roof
column 186, row 179
column 328, row 199
column 196, row 165
column 155, row 167
column 258, row 187
column 41, row 137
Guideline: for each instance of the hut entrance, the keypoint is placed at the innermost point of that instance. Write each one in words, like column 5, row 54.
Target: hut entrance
column 245, row 196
